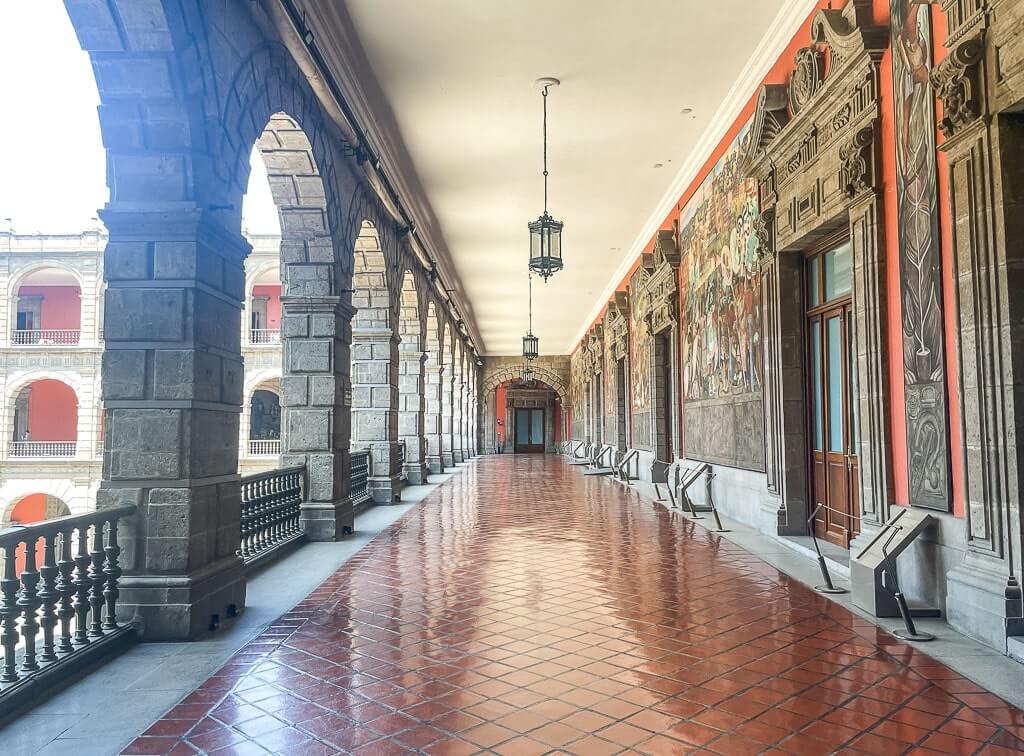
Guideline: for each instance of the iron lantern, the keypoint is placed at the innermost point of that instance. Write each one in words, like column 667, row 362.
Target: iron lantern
column 531, row 346
column 545, row 246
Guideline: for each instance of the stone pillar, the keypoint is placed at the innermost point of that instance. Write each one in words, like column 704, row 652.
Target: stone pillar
column 315, row 403
column 374, row 403
column 458, row 408
column 447, row 458
column 172, row 389
column 433, row 382
column 411, row 421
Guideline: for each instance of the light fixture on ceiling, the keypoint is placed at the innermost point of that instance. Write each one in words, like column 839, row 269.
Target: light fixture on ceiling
column 546, row 232
column 531, row 344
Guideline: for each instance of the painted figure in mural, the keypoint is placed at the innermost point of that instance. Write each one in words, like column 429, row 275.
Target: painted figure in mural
column 920, row 258
column 721, row 338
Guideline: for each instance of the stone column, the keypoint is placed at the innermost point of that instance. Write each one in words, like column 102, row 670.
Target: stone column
column 315, row 403
column 549, row 423
column 447, row 458
column 374, row 403
column 411, row 420
column 172, row 389
column 458, row 408
column 433, row 382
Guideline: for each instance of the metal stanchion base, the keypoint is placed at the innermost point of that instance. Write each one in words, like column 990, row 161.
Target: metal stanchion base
column 826, row 589
column 905, row 635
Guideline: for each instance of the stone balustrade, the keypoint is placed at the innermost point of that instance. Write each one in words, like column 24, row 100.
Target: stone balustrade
column 271, row 503
column 58, row 599
column 42, row 449
column 45, row 337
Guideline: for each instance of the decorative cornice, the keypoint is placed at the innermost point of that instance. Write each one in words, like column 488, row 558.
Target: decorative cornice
column 957, row 83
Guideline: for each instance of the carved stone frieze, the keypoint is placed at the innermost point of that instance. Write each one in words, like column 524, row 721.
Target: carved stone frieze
column 957, row 84
column 616, row 325
column 806, row 79
column 858, row 165
column 662, row 286
column 764, row 230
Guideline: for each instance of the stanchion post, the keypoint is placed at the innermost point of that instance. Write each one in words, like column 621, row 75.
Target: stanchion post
column 829, row 587
column 708, row 476
column 910, row 631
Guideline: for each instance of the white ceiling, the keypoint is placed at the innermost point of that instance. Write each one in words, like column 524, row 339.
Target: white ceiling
column 457, row 75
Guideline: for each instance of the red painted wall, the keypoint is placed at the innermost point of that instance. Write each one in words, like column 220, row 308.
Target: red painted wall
column 778, row 74
column 61, row 308
column 52, row 412
column 557, row 419
column 273, row 304
column 30, row 509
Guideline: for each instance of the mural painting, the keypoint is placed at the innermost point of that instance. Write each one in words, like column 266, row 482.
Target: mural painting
column 640, row 361
column 920, row 257
column 720, row 284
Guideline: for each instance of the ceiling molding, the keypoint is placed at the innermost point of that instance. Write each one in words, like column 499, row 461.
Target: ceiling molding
column 788, row 22
column 337, row 41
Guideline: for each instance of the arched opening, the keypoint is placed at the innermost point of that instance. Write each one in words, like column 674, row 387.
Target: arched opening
column 47, row 309
column 433, row 380
column 410, row 382
column 375, row 367
column 35, row 507
column 264, row 326
column 265, row 423
column 529, row 416
column 296, row 277
column 447, row 382
column 458, row 399
column 57, row 102
column 44, row 421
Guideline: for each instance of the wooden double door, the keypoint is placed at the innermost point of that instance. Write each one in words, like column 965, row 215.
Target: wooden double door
column 832, row 406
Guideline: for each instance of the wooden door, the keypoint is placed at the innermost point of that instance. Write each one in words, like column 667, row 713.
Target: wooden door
column 834, row 464
column 529, row 438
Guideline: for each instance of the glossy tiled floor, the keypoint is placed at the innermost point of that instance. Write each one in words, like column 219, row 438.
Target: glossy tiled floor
column 526, row 609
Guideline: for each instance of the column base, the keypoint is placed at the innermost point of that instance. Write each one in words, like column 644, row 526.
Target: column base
column 435, row 465
column 976, row 603
column 416, row 473
column 458, row 455
column 182, row 607
column 385, row 490
column 322, row 521
column 447, row 459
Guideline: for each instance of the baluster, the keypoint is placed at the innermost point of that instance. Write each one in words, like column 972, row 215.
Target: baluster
column 9, row 612
column 278, row 534
column 66, row 588
column 243, row 546
column 82, row 585
column 96, row 581
column 29, row 603
column 48, row 596
column 112, row 572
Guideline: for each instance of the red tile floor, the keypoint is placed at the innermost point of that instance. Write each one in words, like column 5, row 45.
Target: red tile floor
column 525, row 609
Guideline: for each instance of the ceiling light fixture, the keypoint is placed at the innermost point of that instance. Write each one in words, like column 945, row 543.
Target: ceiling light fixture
column 531, row 344
column 546, row 232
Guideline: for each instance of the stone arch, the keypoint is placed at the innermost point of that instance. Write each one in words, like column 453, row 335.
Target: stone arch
column 458, row 397
column 433, row 380
column 375, row 358
column 55, row 506
column 175, row 249
column 410, row 380
column 447, row 381
column 67, row 329
column 515, row 372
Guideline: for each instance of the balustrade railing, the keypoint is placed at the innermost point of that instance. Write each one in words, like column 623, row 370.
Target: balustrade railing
column 359, row 488
column 45, row 337
column 264, row 447
column 58, row 593
column 42, row 449
column 263, row 336
column 270, row 512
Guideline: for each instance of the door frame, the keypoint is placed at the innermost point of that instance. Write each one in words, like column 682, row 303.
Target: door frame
column 528, row 448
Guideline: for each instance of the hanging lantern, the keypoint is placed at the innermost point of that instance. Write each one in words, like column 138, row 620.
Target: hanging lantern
column 546, row 232
column 530, row 346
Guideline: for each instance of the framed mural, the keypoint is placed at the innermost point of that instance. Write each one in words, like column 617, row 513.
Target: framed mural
column 720, row 323
column 640, row 361
column 721, row 299
column 924, row 371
